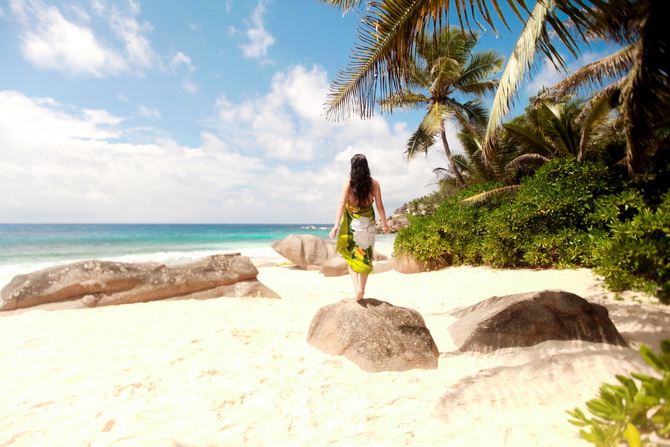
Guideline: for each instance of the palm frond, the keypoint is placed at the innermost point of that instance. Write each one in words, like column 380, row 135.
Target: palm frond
column 345, row 5
column 527, row 161
column 433, row 120
column 531, row 137
column 470, row 115
column 595, row 74
column 558, row 122
column 378, row 58
column 482, row 65
column 470, row 142
column 518, row 65
column 611, row 93
column 488, row 195
column 598, row 113
column 403, row 100
column 419, row 142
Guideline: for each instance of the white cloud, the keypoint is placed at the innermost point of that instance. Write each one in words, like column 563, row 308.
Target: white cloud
column 106, row 41
column 149, row 112
column 50, row 41
column 137, row 47
column 259, row 39
column 61, row 164
column 287, row 125
column 180, row 64
column 273, row 158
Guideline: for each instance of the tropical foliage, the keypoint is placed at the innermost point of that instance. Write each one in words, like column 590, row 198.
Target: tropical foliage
column 445, row 68
column 636, row 254
column 627, row 412
column 386, row 49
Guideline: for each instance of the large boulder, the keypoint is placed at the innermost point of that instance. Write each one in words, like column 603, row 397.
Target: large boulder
column 375, row 335
column 527, row 319
column 310, row 252
column 395, row 223
column 100, row 283
column 334, row 267
column 305, row 250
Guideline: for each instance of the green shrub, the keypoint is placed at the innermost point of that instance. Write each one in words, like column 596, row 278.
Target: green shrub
column 449, row 235
column 553, row 218
column 637, row 254
column 426, row 205
column 568, row 248
column 568, row 214
column 422, row 241
column 628, row 413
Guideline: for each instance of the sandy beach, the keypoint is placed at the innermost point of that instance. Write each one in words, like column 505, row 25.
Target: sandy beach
column 239, row 372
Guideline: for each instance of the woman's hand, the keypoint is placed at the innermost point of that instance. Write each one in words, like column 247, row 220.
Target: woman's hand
column 333, row 232
column 387, row 230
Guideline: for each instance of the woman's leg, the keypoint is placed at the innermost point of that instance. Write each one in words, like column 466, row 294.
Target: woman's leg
column 362, row 280
column 355, row 278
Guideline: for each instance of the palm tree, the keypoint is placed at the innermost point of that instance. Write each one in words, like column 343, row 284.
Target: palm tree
column 389, row 29
column 549, row 130
column 445, row 68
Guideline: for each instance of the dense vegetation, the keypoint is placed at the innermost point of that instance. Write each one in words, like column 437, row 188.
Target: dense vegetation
column 568, row 214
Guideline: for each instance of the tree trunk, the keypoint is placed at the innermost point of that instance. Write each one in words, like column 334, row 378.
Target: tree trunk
column 452, row 162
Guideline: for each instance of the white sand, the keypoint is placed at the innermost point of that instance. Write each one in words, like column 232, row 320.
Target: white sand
column 234, row 372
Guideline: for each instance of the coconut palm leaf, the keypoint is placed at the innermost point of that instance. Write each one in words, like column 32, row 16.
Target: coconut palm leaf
column 419, row 142
column 404, row 99
column 433, row 120
column 596, row 74
column 527, row 161
column 531, row 137
column 517, row 67
column 470, row 114
column 599, row 111
column 481, row 66
column 488, row 195
column 559, row 124
column 610, row 93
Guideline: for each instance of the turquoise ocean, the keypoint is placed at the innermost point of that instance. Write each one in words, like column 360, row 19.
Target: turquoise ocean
column 26, row 248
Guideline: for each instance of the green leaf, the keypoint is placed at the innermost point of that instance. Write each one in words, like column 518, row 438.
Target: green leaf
column 642, row 377
column 652, row 359
column 665, row 347
column 630, row 386
column 632, row 435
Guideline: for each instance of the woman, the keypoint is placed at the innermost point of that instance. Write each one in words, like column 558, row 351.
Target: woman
column 356, row 221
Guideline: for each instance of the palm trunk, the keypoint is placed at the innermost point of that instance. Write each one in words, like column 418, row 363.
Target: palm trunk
column 452, row 162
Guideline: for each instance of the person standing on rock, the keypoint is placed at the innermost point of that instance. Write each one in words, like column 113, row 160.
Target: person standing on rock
column 355, row 219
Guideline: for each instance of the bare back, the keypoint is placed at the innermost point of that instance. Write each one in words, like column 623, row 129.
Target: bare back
column 371, row 198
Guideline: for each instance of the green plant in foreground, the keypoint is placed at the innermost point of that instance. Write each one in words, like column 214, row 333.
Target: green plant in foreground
column 628, row 414
column 637, row 255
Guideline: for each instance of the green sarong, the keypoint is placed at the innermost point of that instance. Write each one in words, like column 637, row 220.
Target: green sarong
column 356, row 238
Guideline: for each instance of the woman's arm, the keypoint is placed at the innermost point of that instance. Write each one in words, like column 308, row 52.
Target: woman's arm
column 377, row 192
column 340, row 208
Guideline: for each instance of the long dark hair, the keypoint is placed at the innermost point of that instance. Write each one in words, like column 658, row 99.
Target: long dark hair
column 360, row 182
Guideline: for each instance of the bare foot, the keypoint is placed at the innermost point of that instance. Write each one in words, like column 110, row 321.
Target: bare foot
column 359, row 296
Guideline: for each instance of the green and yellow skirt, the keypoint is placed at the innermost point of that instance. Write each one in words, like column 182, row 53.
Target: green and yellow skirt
column 356, row 238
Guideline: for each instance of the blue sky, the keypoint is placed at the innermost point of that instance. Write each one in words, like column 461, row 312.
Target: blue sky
column 202, row 111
